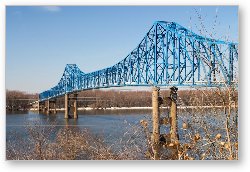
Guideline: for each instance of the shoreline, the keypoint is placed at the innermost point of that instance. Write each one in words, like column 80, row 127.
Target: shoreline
column 136, row 108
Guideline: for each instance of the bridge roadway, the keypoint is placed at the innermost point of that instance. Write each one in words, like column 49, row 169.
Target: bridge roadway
column 168, row 55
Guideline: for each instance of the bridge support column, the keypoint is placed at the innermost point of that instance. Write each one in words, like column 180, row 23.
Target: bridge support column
column 75, row 106
column 54, row 107
column 156, row 121
column 48, row 107
column 173, row 114
column 66, row 115
column 38, row 106
column 43, row 106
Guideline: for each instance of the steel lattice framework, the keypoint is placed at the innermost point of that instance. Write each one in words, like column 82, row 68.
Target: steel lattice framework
column 168, row 55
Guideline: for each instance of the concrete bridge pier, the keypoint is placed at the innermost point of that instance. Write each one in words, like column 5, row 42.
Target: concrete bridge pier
column 38, row 106
column 48, row 106
column 43, row 107
column 66, row 104
column 156, row 122
column 75, row 106
column 53, row 106
column 173, row 114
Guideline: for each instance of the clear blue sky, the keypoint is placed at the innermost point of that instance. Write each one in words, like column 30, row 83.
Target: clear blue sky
column 41, row 40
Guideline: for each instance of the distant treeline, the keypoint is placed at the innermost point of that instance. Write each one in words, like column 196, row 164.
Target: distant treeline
column 105, row 99
column 19, row 100
column 16, row 100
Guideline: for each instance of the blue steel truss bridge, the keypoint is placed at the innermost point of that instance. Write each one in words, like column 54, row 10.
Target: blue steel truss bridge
column 168, row 55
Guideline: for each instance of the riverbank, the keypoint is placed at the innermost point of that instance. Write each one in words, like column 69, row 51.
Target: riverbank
column 137, row 108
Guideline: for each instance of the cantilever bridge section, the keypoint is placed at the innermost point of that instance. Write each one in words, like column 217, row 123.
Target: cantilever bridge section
column 168, row 55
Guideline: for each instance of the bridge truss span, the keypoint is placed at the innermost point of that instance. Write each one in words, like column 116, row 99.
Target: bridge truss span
column 168, row 55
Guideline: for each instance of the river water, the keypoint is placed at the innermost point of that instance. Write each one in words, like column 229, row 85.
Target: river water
column 117, row 127
column 111, row 125
column 106, row 123
column 101, row 122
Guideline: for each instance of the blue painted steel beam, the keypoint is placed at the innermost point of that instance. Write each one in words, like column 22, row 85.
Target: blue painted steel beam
column 168, row 55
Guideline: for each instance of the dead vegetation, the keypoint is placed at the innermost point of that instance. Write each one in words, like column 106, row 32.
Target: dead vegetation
column 69, row 143
column 203, row 134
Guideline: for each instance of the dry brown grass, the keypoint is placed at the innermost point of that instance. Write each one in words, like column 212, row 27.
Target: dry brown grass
column 71, row 143
column 204, row 134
